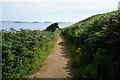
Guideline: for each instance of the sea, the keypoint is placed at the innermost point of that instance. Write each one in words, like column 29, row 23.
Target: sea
column 30, row 25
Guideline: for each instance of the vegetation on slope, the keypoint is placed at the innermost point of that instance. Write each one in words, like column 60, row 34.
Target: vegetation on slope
column 97, row 42
column 23, row 50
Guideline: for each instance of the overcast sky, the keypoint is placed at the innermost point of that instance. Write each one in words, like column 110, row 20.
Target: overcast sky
column 54, row 10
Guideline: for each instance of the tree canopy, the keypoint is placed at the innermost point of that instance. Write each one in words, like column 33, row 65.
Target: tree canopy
column 52, row 27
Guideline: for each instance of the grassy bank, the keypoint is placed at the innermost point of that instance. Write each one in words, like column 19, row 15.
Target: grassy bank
column 96, row 49
column 23, row 51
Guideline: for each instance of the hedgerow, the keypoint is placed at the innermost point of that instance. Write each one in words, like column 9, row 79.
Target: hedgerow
column 24, row 50
column 97, row 39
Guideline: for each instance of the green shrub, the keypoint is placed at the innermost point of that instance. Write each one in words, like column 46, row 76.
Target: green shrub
column 23, row 50
column 97, row 39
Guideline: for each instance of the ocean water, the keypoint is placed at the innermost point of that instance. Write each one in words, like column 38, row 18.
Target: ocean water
column 30, row 25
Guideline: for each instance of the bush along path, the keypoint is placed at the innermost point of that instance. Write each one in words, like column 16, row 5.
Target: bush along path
column 97, row 43
column 58, row 62
column 24, row 50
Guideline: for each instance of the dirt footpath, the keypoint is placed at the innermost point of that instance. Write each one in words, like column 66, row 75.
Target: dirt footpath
column 58, row 62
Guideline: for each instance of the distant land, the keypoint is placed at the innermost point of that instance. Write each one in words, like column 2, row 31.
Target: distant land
column 34, row 22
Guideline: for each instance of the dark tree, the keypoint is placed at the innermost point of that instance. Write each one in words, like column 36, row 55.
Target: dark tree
column 52, row 27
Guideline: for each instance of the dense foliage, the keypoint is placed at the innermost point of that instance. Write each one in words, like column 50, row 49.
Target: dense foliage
column 52, row 27
column 97, row 40
column 23, row 50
